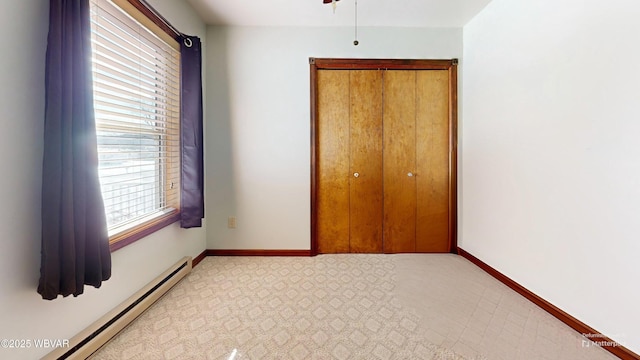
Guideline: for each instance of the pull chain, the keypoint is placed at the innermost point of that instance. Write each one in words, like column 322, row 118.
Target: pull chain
column 356, row 42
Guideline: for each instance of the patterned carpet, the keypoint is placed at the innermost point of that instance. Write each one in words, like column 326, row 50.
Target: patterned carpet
column 325, row 307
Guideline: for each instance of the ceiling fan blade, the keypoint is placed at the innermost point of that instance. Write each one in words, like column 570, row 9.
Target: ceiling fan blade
column 328, row 1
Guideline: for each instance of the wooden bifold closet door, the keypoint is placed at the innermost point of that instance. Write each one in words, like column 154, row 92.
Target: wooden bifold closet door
column 382, row 161
column 350, row 174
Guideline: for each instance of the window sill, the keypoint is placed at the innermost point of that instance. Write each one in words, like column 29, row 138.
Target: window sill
column 123, row 239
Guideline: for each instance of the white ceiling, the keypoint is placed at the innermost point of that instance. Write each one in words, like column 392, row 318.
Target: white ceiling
column 402, row 13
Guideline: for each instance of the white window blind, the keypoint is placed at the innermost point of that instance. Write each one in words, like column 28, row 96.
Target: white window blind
column 136, row 84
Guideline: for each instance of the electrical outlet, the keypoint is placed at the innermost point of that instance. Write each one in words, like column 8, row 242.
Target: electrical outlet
column 231, row 222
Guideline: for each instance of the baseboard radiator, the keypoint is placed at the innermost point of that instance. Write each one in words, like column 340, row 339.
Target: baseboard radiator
column 100, row 332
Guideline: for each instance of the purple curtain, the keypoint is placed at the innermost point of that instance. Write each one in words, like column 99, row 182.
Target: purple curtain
column 192, row 177
column 75, row 243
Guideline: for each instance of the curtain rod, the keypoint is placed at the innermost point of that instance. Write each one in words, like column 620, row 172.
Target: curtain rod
column 162, row 18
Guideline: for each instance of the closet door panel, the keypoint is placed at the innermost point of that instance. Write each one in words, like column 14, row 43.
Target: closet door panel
column 399, row 154
column 432, row 161
column 333, row 161
column 366, row 161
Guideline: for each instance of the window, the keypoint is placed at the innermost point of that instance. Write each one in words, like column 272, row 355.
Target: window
column 136, row 81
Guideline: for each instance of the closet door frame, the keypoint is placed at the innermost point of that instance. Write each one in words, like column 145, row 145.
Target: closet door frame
column 451, row 65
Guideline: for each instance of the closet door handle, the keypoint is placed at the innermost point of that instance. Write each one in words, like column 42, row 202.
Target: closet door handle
column 410, row 174
column 356, row 174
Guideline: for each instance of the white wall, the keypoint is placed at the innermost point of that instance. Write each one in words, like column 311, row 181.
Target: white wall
column 550, row 191
column 258, row 133
column 23, row 314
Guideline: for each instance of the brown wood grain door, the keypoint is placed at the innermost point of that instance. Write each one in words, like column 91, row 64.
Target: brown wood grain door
column 383, row 156
column 366, row 161
column 333, row 162
column 350, row 161
column 416, row 161
column 399, row 156
column 432, row 161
